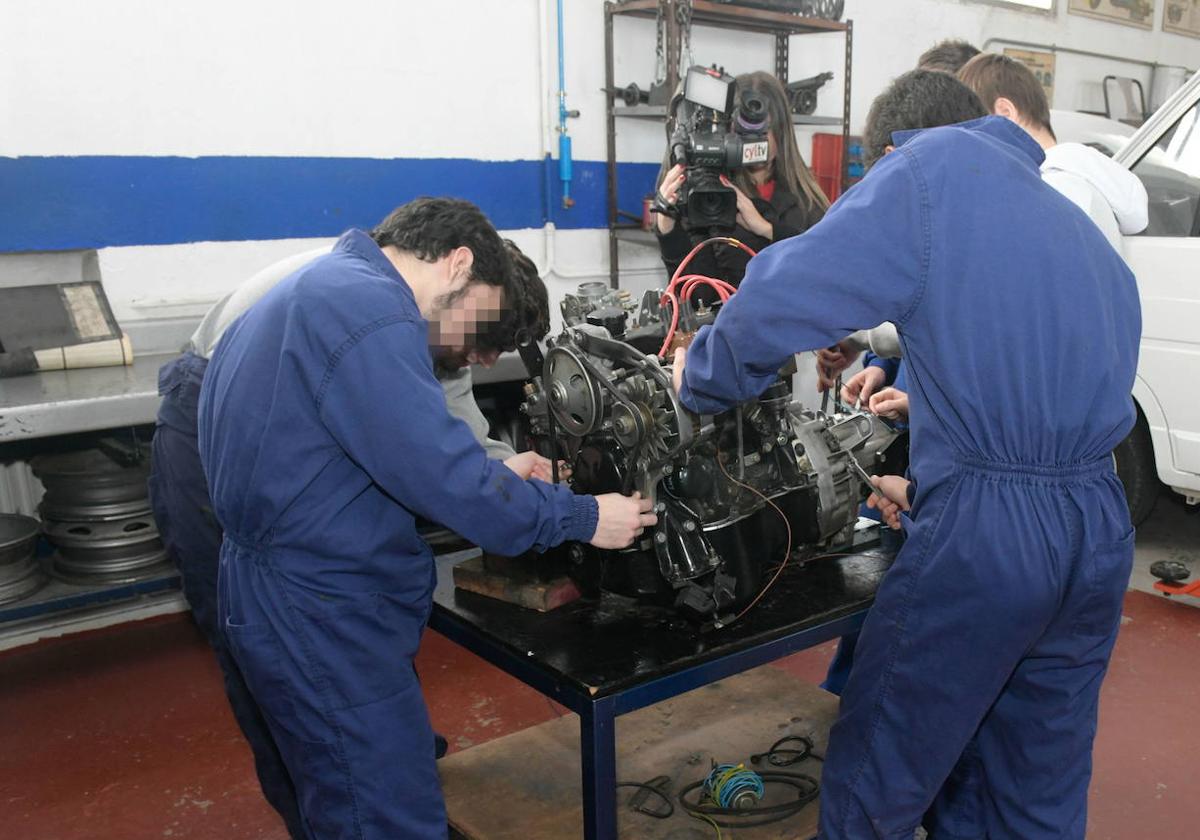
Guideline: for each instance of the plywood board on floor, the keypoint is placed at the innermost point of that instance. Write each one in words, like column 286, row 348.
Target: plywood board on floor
column 526, row 786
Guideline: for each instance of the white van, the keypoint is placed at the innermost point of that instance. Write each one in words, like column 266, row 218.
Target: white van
column 1165, row 443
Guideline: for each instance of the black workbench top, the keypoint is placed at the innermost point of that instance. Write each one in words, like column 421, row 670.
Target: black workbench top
column 602, row 648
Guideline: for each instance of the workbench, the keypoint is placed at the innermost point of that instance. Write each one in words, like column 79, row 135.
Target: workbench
column 64, row 402
column 606, row 659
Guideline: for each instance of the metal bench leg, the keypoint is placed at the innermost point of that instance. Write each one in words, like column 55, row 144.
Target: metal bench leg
column 598, row 751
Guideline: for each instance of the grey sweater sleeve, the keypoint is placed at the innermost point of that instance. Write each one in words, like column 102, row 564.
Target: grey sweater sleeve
column 883, row 340
column 460, row 401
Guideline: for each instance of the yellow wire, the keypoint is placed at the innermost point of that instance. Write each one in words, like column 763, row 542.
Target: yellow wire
column 710, row 821
column 715, row 795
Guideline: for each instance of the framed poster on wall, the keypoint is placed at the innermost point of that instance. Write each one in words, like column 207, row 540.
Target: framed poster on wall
column 1182, row 17
column 1042, row 65
column 1138, row 13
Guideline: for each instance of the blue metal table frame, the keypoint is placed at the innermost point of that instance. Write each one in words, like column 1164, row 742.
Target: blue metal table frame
column 599, row 708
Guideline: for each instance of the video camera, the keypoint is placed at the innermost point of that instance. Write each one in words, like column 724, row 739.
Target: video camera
column 713, row 137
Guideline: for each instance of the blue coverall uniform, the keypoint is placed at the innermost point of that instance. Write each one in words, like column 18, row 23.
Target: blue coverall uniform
column 323, row 434
column 1020, row 328
column 179, row 496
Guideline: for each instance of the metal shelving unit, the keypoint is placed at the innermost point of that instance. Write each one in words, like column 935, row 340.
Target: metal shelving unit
column 41, row 406
column 659, row 112
column 72, row 402
column 718, row 15
column 58, row 596
column 636, row 234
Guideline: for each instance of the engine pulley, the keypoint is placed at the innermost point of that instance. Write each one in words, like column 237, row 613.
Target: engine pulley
column 630, row 424
column 575, row 397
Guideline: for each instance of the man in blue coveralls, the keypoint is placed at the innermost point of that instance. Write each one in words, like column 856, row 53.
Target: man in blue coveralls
column 324, row 434
column 917, row 100
column 179, row 493
column 1020, row 329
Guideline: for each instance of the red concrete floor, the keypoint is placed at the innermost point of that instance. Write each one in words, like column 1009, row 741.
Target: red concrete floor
column 124, row 733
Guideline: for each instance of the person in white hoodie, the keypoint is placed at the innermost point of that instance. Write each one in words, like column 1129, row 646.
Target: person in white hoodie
column 1112, row 196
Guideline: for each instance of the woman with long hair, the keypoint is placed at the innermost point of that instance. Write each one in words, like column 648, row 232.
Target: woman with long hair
column 775, row 200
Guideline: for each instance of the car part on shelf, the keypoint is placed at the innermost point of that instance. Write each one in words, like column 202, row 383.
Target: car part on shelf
column 633, row 95
column 89, row 485
column 96, row 513
column 20, row 574
column 18, row 538
column 112, row 572
column 802, row 93
column 827, row 9
column 119, row 550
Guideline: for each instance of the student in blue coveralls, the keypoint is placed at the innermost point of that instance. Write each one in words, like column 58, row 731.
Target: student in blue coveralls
column 324, row 435
column 179, row 493
column 1020, row 330
column 922, row 100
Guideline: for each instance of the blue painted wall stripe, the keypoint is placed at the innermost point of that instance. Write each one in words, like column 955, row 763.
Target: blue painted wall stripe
column 62, row 203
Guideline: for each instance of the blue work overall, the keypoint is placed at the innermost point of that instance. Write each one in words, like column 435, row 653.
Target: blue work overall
column 1020, row 328
column 183, row 513
column 324, row 435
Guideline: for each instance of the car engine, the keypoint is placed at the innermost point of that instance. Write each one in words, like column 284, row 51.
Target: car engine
column 735, row 493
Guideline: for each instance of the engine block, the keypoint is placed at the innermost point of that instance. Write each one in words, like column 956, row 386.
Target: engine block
column 735, row 492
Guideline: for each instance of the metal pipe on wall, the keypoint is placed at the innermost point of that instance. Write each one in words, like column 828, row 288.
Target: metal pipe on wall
column 1072, row 50
column 564, row 139
column 548, row 125
column 1055, row 48
column 545, row 123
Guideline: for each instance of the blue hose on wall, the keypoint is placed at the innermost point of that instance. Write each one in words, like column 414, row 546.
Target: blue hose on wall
column 564, row 139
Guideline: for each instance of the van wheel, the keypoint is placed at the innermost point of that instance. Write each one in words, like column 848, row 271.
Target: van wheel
column 1134, row 459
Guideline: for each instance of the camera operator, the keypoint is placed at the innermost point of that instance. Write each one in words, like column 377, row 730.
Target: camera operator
column 775, row 200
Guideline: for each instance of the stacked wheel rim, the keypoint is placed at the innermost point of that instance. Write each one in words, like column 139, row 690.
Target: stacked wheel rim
column 96, row 512
column 20, row 574
column 87, row 486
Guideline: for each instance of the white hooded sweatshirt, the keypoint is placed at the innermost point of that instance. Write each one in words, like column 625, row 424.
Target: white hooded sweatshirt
column 1112, row 196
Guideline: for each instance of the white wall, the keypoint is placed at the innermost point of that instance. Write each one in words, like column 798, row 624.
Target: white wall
column 457, row 78
column 891, row 34
column 369, row 78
